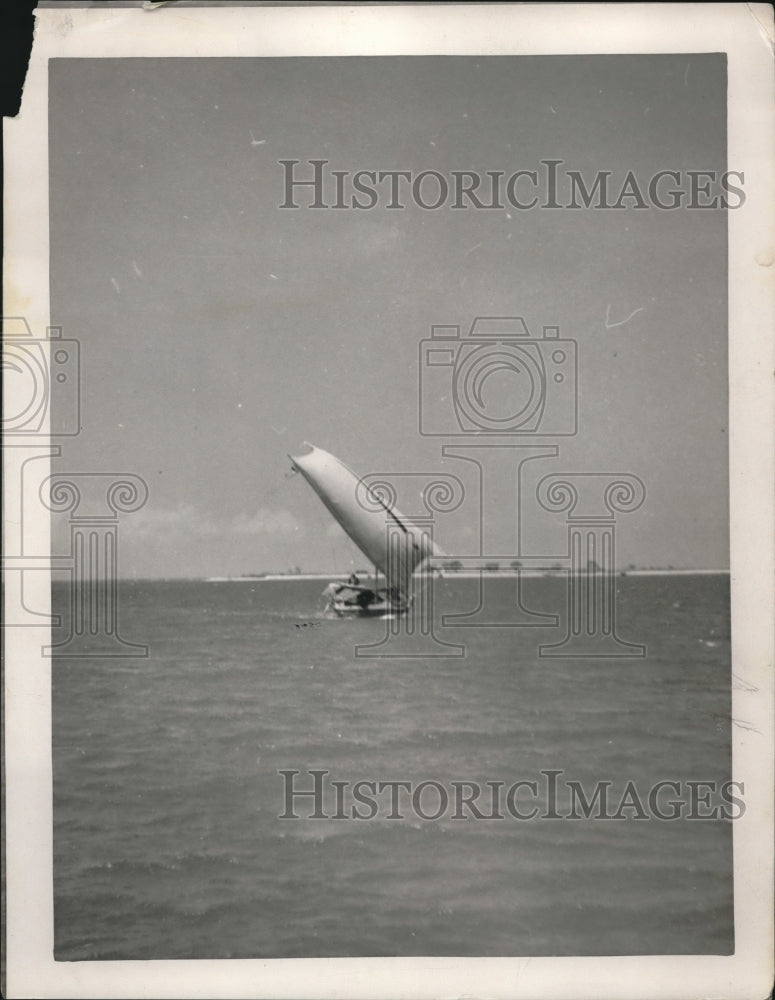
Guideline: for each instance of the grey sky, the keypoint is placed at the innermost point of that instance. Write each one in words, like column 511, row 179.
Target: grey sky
column 219, row 332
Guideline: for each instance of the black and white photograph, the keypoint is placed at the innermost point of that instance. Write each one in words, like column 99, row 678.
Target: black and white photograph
column 388, row 558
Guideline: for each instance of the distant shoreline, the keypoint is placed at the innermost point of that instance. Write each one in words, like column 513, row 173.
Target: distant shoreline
column 467, row 574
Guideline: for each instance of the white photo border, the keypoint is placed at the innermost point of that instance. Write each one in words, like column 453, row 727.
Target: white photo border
column 745, row 33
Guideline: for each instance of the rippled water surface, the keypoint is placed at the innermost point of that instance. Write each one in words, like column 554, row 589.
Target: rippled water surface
column 167, row 796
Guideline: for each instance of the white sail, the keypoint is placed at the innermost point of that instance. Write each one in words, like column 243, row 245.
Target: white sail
column 389, row 540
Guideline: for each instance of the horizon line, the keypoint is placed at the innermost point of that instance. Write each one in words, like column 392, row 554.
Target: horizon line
column 470, row 573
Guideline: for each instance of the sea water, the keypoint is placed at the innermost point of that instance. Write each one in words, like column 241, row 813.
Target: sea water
column 168, row 794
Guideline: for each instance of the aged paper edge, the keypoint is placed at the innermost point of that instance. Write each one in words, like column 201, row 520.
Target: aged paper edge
column 744, row 32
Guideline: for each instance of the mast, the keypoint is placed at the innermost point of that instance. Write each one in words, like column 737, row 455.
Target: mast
column 374, row 529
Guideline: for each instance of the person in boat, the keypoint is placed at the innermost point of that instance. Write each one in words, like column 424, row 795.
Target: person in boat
column 365, row 598
column 333, row 589
column 394, row 594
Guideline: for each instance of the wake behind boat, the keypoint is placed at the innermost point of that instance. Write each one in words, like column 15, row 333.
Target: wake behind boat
column 386, row 537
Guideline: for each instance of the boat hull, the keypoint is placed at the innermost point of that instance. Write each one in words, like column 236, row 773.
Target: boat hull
column 377, row 610
column 355, row 601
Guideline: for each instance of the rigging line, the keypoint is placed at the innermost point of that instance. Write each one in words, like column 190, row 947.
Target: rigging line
column 389, row 512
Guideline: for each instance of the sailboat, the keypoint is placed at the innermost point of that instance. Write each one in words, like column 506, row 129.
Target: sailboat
column 394, row 545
